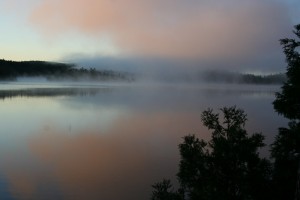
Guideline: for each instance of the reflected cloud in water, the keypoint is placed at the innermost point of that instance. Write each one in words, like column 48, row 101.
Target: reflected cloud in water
column 109, row 142
column 119, row 164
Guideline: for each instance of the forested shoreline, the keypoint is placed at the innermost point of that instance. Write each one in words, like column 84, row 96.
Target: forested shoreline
column 11, row 70
column 244, row 78
column 54, row 71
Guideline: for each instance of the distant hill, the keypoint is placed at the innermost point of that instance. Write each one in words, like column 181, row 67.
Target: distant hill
column 231, row 77
column 11, row 70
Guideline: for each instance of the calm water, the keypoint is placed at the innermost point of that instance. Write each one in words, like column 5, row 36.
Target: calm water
column 108, row 142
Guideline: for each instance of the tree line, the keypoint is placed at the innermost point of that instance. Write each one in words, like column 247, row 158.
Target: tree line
column 232, row 77
column 10, row 70
column 228, row 166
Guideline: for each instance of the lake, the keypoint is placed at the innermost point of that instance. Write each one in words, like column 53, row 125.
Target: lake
column 109, row 141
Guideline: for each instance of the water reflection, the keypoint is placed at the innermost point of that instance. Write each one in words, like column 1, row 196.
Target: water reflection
column 108, row 142
column 94, row 164
column 52, row 92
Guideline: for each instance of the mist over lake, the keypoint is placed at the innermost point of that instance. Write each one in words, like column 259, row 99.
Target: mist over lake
column 149, row 99
column 110, row 141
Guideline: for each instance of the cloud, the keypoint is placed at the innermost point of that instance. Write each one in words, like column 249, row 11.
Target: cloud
column 197, row 29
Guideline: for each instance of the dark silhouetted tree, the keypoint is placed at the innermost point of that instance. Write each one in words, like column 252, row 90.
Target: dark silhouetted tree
column 164, row 191
column 287, row 101
column 286, row 148
column 285, row 151
column 226, row 167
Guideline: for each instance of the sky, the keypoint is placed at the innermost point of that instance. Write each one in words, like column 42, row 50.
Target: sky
column 228, row 34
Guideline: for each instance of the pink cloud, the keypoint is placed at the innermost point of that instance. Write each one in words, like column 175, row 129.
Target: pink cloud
column 170, row 28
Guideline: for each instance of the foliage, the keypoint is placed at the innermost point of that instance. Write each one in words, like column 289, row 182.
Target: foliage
column 241, row 78
column 10, row 70
column 229, row 167
column 287, row 101
column 286, row 148
column 163, row 191
column 226, row 167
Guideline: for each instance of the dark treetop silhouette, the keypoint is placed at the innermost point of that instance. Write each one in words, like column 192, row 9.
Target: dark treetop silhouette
column 226, row 167
column 287, row 101
column 286, row 148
